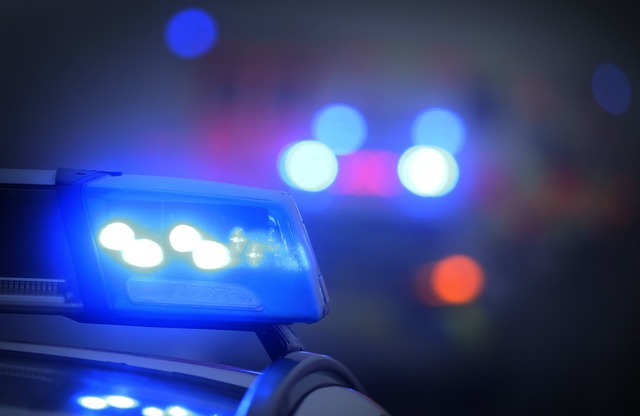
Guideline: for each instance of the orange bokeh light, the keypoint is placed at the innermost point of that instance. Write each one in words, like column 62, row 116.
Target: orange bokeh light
column 457, row 279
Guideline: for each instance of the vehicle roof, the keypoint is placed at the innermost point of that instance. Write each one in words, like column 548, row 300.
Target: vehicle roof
column 60, row 380
column 212, row 371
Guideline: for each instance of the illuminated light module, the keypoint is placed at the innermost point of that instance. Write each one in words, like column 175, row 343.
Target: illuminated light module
column 205, row 254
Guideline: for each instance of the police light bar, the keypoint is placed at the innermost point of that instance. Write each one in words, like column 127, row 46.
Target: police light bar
column 124, row 249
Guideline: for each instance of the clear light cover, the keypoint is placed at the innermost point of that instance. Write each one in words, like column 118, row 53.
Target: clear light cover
column 196, row 252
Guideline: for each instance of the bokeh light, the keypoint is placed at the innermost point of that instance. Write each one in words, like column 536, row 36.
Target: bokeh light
column 428, row 171
column 611, row 88
column 308, row 165
column 368, row 172
column 457, row 279
column 341, row 127
column 190, row 33
column 439, row 128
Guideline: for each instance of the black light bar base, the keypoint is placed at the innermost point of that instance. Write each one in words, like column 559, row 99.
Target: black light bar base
column 279, row 340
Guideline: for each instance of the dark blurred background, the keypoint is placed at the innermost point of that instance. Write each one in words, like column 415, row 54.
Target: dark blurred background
column 544, row 210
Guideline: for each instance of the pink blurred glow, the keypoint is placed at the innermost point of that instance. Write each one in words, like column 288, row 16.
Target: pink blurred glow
column 368, row 173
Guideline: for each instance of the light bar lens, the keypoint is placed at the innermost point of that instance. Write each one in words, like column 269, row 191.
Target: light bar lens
column 192, row 250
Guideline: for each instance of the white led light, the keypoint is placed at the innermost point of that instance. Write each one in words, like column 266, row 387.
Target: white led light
column 92, row 402
column 178, row 411
column 143, row 253
column 152, row 411
column 209, row 255
column 116, row 236
column 121, row 402
column 184, row 238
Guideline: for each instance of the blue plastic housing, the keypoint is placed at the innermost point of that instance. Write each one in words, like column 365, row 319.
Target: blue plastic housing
column 269, row 273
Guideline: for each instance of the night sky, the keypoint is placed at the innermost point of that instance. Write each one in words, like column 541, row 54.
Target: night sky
column 546, row 202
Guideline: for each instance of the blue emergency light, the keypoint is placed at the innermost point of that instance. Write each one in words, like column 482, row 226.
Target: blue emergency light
column 103, row 247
